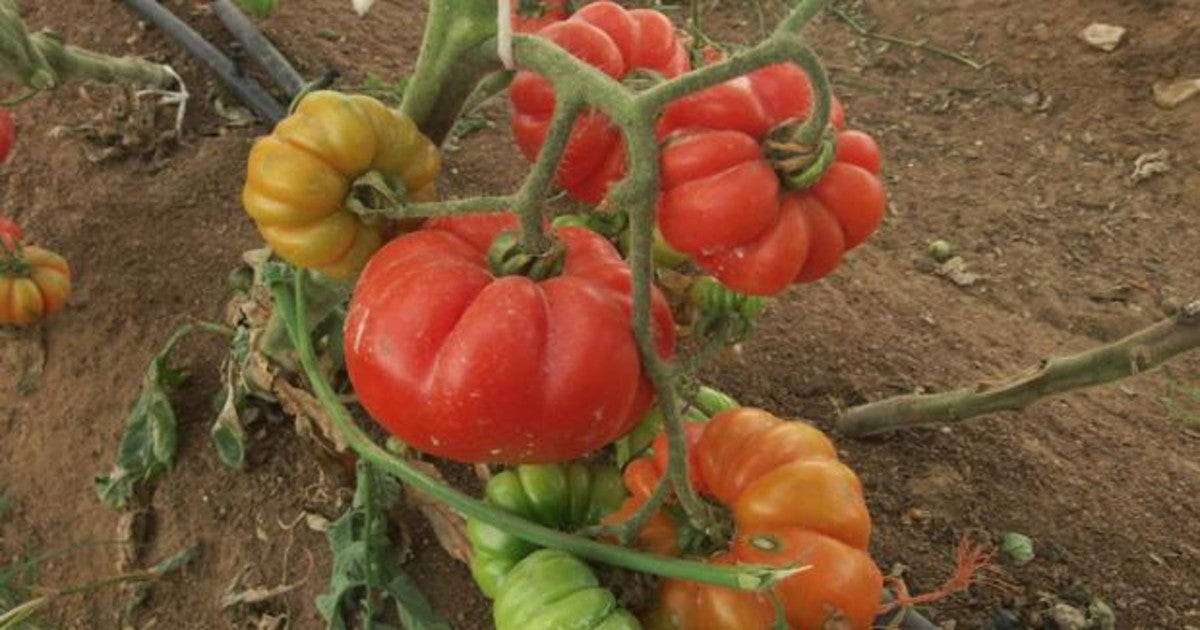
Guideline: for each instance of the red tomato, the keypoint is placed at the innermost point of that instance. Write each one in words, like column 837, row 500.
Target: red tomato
column 8, row 133
column 752, row 104
column 722, row 205
column 477, row 368
column 617, row 42
column 10, row 236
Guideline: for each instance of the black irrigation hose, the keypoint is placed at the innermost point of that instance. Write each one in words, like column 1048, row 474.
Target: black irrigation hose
column 259, row 47
column 246, row 89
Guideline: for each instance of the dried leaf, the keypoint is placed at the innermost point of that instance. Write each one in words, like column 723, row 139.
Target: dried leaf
column 1148, row 165
column 361, row 7
column 1171, row 95
column 955, row 270
column 256, row 595
column 449, row 526
column 311, row 419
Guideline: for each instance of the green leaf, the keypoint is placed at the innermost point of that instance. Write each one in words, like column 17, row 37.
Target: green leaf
column 1018, row 547
column 365, row 560
column 148, row 445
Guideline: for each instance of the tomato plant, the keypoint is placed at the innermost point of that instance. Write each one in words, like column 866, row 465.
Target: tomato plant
column 465, row 363
column 34, row 284
column 300, row 178
column 792, row 502
column 621, row 44
column 562, row 496
column 8, row 133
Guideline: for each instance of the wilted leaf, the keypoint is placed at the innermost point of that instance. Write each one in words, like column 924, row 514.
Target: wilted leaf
column 228, row 433
column 148, row 445
column 1148, row 165
column 364, row 559
column 1106, row 37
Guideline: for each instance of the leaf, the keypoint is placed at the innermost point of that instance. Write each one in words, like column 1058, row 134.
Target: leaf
column 148, row 445
column 365, row 559
column 449, row 527
column 228, row 434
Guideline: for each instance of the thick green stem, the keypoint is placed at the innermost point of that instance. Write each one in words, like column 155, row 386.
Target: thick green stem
column 1134, row 354
column 41, row 61
column 453, row 29
column 750, row 577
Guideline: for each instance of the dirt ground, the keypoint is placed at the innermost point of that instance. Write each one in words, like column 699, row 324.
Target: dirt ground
column 1025, row 165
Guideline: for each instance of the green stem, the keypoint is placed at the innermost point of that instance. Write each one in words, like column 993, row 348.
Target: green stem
column 372, row 570
column 799, row 16
column 528, row 201
column 41, row 61
column 749, row 577
column 453, row 29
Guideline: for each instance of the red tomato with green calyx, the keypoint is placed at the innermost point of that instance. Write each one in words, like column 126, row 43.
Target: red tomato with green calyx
column 617, row 42
column 11, row 235
column 473, row 367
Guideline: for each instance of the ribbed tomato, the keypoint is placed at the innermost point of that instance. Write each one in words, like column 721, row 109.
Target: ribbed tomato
column 792, row 502
column 34, row 284
column 617, row 42
column 463, row 364
column 722, row 203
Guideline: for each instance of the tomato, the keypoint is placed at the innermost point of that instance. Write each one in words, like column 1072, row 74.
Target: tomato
column 722, row 204
column 618, row 43
column 562, row 496
column 466, row 365
column 8, row 133
column 10, row 236
column 552, row 590
column 753, row 104
column 792, row 502
column 34, row 284
column 699, row 606
column 530, row 16
column 299, row 177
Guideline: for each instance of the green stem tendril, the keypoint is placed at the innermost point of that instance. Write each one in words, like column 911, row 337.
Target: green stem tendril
column 748, row 577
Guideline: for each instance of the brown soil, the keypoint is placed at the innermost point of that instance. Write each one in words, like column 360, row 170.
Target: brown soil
column 1024, row 165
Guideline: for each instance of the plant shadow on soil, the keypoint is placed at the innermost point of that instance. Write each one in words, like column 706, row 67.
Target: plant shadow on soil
column 1024, row 165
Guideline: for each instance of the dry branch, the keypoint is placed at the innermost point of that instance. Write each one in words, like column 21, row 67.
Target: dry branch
column 1137, row 353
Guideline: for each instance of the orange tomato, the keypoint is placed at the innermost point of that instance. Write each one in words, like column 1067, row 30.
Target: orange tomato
column 34, row 284
column 793, row 503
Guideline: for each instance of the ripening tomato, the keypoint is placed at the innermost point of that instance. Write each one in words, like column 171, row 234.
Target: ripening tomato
column 8, row 133
column 34, row 284
column 298, row 178
column 475, row 367
column 722, row 202
column 618, row 43
column 792, row 502
column 10, row 236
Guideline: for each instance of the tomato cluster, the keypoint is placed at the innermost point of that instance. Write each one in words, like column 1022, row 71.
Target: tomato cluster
column 466, row 346
column 721, row 201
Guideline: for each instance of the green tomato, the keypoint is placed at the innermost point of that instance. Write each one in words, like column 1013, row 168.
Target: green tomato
column 562, row 496
column 553, row 590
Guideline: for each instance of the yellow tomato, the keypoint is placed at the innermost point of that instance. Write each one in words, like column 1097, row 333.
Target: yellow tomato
column 298, row 178
column 34, row 284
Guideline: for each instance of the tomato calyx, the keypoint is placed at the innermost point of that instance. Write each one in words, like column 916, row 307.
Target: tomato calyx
column 507, row 257
column 12, row 263
column 375, row 191
column 799, row 165
column 723, row 312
